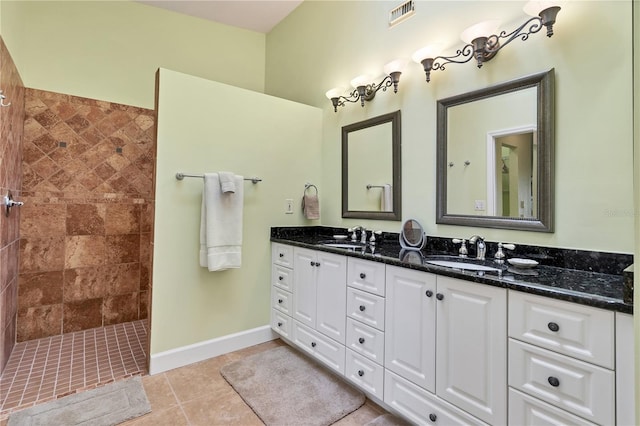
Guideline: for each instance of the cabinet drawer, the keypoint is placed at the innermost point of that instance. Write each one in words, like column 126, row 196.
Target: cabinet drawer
column 282, row 255
column 282, row 277
column 322, row 348
column 421, row 407
column 365, row 340
column 576, row 330
column 525, row 410
column 365, row 373
column 576, row 386
column 280, row 323
column 366, row 308
column 366, row 275
column 282, row 300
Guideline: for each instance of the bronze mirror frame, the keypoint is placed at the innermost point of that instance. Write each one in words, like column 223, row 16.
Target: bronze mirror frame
column 396, row 213
column 544, row 221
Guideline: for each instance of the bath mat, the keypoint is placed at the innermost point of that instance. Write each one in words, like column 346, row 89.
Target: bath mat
column 284, row 387
column 104, row 406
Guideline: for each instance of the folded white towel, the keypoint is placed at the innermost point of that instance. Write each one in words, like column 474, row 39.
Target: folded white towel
column 386, row 201
column 221, row 224
column 227, row 181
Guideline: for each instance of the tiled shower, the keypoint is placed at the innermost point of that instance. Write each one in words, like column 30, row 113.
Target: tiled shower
column 76, row 257
column 85, row 230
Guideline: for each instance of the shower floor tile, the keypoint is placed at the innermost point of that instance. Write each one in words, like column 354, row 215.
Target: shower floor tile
column 53, row 367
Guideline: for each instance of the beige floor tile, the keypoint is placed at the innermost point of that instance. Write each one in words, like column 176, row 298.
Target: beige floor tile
column 170, row 417
column 243, row 353
column 361, row 416
column 197, row 380
column 159, row 392
column 225, row 409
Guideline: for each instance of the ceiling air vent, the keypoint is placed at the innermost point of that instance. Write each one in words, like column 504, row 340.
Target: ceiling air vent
column 402, row 12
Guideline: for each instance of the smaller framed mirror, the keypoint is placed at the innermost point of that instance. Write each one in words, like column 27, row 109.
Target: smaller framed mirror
column 371, row 187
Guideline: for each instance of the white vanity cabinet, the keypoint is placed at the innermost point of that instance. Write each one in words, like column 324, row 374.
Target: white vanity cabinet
column 448, row 336
column 319, row 295
column 281, row 288
column 365, row 325
column 438, row 350
column 562, row 354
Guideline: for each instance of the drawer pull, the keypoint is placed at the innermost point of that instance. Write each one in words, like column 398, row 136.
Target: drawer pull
column 313, row 344
column 553, row 326
column 279, row 324
column 279, row 300
column 281, row 278
column 361, row 340
column 281, row 255
column 553, row 381
column 433, row 417
column 439, row 296
column 363, row 275
column 429, row 293
column 362, row 308
column 360, row 373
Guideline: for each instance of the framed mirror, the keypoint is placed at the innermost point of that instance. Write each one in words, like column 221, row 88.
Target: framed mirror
column 371, row 187
column 495, row 156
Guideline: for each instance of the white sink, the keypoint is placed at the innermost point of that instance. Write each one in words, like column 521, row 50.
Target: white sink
column 343, row 245
column 462, row 265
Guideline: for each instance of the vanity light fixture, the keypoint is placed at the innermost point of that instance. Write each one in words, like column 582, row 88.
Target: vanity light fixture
column 363, row 87
column 484, row 47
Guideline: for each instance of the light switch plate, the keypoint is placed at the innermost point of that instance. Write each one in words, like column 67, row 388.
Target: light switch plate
column 288, row 206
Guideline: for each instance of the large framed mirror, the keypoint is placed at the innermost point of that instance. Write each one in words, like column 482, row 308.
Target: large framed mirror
column 371, row 187
column 495, row 156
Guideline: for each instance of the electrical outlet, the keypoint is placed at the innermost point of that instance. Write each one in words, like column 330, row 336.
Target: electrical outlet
column 288, row 206
column 479, row 205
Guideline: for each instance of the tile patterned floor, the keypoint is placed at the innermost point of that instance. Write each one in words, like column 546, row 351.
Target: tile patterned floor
column 194, row 395
column 52, row 367
column 197, row 395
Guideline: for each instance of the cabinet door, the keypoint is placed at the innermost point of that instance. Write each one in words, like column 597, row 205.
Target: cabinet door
column 411, row 325
column 331, row 302
column 304, row 286
column 471, row 349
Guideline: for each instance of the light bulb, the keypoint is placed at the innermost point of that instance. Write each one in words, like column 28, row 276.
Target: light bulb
column 361, row 80
column 430, row 51
column 336, row 92
column 397, row 65
column 534, row 7
column 481, row 29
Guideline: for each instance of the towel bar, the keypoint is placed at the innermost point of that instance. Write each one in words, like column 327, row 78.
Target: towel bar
column 181, row 176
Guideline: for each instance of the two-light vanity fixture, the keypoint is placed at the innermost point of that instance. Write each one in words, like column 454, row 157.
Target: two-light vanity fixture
column 479, row 45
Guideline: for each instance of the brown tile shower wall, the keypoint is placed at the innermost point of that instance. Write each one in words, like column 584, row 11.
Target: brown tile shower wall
column 11, row 125
column 85, row 244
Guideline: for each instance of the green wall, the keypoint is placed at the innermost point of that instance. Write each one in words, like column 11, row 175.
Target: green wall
column 110, row 50
column 636, row 145
column 324, row 44
column 254, row 135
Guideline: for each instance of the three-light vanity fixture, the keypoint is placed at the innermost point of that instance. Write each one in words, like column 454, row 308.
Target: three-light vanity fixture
column 483, row 43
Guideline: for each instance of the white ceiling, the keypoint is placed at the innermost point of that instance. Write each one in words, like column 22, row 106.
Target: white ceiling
column 255, row 15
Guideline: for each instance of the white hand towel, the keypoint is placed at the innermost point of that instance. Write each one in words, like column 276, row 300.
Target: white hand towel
column 227, row 181
column 221, row 224
column 386, row 202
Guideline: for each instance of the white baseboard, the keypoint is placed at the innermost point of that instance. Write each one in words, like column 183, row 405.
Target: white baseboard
column 196, row 352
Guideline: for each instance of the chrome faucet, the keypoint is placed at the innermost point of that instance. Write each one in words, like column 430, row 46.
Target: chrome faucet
column 363, row 236
column 354, row 236
column 481, row 247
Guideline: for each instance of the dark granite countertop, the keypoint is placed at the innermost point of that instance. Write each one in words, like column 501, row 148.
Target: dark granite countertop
column 587, row 287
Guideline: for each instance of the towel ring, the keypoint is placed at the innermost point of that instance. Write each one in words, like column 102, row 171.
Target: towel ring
column 310, row 185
